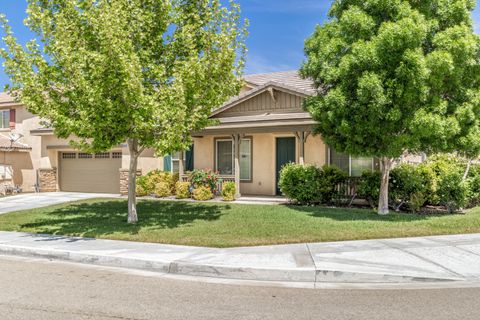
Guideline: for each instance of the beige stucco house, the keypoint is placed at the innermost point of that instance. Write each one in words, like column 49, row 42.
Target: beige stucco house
column 32, row 157
column 256, row 133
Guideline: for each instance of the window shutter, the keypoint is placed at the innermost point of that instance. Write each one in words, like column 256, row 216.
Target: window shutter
column 12, row 118
column 167, row 163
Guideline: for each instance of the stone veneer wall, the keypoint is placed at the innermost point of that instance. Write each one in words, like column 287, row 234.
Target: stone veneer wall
column 47, row 180
column 124, row 180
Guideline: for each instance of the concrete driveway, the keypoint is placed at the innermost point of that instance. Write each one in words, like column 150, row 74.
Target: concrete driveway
column 37, row 200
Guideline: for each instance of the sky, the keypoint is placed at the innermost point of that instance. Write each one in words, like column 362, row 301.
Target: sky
column 278, row 29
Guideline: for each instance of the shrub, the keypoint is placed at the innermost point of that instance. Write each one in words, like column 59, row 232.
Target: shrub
column 406, row 184
column 369, row 187
column 205, row 178
column 202, row 193
column 228, row 191
column 300, row 183
column 182, row 190
column 330, row 177
column 452, row 191
column 474, row 184
column 417, row 200
column 141, row 189
column 430, row 183
column 156, row 176
column 162, row 190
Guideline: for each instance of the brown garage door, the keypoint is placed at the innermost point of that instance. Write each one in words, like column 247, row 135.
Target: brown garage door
column 83, row 172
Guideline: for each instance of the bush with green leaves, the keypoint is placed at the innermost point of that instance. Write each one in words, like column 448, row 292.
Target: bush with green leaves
column 330, row 177
column 453, row 191
column 157, row 176
column 228, row 191
column 208, row 178
column 408, row 186
column 202, row 193
column 182, row 190
column 369, row 187
column 474, row 184
column 141, row 189
column 301, row 183
column 162, row 190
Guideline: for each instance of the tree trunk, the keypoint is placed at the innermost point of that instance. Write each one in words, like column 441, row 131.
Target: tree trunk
column 385, row 167
column 132, row 180
column 467, row 170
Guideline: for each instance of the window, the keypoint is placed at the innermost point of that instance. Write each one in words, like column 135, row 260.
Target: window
column 176, row 162
column 5, row 119
column 354, row 166
column 224, row 159
column 246, row 159
column 69, row 155
column 225, row 162
column 102, row 155
column 117, row 155
column 83, row 155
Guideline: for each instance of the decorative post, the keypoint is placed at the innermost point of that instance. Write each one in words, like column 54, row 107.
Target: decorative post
column 181, row 165
column 302, row 137
column 236, row 150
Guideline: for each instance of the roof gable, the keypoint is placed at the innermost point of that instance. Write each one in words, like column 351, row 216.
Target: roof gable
column 269, row 97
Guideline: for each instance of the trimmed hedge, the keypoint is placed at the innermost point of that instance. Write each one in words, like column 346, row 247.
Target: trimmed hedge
column 182, row 190
column 307, row 184
column 228, row 191
column 202, row 193
column 437, row 182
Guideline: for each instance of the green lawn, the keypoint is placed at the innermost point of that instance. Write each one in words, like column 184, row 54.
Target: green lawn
column 229, row 225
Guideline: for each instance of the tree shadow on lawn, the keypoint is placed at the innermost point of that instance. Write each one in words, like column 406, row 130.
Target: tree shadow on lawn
column 108, row 217
column 355, row 214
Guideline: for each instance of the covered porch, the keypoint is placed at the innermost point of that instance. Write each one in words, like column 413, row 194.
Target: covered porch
column 251, row 150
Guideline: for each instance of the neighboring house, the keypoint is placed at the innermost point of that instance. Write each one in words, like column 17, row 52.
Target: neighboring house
column 40, row 159
column 257, row 132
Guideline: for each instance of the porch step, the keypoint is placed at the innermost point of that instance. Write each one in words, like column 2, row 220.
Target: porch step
column 260, row 200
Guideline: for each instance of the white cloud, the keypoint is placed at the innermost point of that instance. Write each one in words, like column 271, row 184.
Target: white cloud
column 259, row 64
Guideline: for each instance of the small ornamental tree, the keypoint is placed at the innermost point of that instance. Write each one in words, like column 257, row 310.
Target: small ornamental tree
column 148, row 72
column 395, row 76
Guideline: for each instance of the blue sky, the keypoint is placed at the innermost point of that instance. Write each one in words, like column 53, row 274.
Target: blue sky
column 277, row 30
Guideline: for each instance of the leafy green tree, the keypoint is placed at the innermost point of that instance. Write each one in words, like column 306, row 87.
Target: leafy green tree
column 148, row 72
column 395, row 76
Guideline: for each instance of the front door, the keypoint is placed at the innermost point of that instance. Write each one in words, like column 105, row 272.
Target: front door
column 285, row 154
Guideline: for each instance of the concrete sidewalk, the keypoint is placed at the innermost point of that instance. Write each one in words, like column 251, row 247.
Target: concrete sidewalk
column 427, row 259
column 26, row 201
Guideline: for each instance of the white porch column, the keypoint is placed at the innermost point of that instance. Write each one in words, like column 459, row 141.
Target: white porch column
column 236, row 153
column 181, row 165
column 302, row 138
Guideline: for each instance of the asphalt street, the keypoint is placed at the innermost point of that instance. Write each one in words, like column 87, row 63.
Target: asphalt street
column 42, row 289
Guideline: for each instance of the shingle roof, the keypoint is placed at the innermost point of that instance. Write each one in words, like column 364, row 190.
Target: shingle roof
column 6, row 98
column 7, row 145
column 287, row 78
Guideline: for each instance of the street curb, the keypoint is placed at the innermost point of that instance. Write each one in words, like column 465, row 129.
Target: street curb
column 186, row 268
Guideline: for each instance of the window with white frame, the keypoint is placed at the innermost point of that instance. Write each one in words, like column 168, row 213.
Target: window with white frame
column 176, row 162
column 4, row 119
column 354, row 166
column 224, row 158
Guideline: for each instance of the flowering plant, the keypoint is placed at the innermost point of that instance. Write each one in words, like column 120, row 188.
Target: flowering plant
column 205, row 178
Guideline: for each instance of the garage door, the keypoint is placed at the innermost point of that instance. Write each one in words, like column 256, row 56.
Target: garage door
column 84, row 172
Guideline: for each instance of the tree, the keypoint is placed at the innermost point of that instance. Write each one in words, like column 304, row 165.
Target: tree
column 148, row 72
column 394, row 76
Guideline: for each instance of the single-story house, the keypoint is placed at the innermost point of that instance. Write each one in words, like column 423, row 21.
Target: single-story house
column 256, row 133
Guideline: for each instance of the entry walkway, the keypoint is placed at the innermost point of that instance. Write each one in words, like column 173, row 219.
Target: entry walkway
column 27, row 201
column 425, row 259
